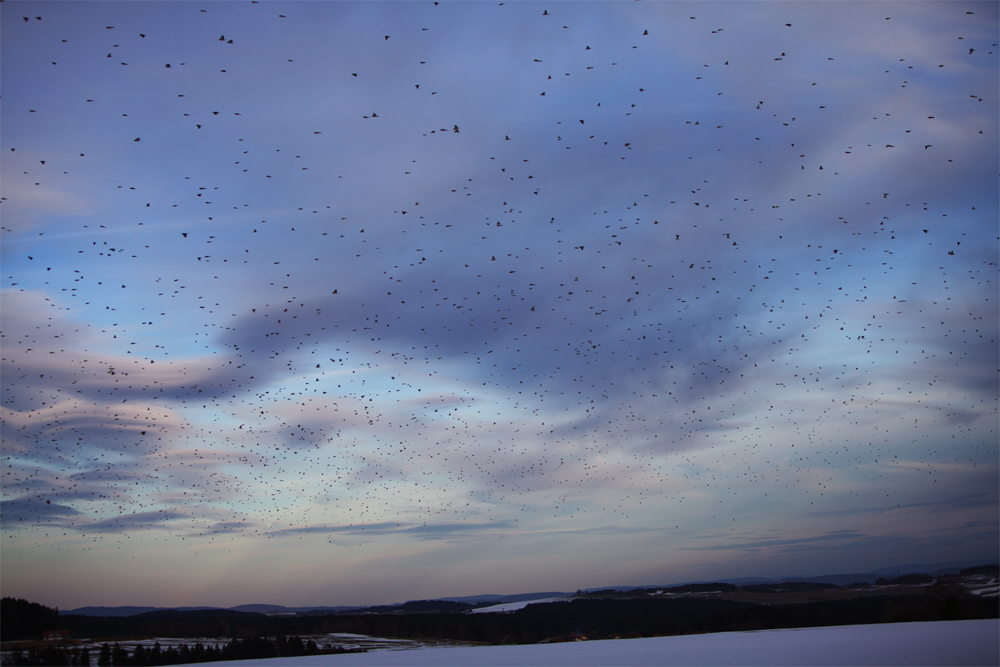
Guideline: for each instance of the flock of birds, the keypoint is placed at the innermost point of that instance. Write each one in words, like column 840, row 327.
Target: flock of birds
column 488, row 326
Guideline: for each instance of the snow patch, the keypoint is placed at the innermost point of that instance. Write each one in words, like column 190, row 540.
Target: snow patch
column 513, row 606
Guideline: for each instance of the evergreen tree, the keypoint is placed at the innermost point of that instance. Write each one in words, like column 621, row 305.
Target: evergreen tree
column 119, row 656
column 104, row 659
column 170, row 656
column 198, row 653
column 51, row 655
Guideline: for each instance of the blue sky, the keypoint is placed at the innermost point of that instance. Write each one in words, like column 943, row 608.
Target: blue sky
column 347, row 303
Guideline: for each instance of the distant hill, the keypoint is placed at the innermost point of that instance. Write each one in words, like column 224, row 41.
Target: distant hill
column 260, row 608
column 247, row 608
column 281, row 609
column 934, row 569
column 124, row 611
column 206, row 612
column 438, row 604
column 930, row 568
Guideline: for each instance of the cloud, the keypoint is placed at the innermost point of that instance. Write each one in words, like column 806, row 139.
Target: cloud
column 976, row 500
column 436, row 531
column 755, row 545
column 33, row 511
column 155, row 520
column 27, row 205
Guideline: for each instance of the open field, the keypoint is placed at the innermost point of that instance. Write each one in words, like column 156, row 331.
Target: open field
column 910, row 644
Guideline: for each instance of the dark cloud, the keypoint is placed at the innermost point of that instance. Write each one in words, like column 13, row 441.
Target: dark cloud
column 976, row 500
column 439, row 531
column 154, row 520
column 33, row 510
column 754, row 545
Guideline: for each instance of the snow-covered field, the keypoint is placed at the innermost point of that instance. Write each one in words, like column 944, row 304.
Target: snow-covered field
column 513, row 606
column 909, row 644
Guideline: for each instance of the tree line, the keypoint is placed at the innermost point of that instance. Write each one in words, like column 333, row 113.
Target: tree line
column 118, row 656
column 20, row 619
column 598, row 618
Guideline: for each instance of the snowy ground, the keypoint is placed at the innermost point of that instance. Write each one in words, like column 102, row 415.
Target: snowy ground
column 513, row 606
column 909, row 644
column 986, row 587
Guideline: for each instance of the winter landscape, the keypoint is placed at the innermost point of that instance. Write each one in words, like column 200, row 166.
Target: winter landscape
column 950, row 617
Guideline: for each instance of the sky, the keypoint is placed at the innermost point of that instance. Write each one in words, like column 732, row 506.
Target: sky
column 340, row 303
